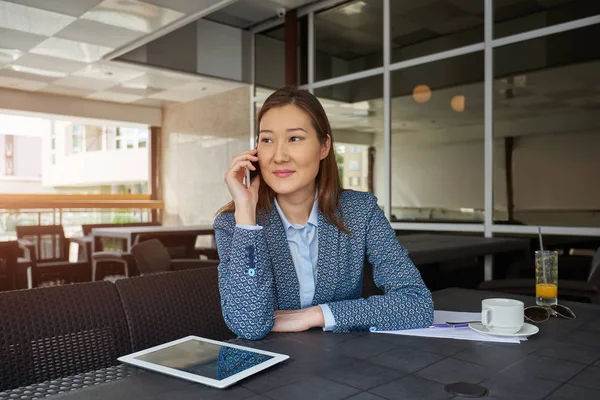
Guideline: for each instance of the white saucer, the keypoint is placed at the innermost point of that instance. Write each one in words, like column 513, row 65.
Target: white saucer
column 526, row 330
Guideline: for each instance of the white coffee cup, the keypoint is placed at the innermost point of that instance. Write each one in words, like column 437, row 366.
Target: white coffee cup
column 502, row 315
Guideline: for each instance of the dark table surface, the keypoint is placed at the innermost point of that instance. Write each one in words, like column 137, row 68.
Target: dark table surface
column 562, row 361
column 432, row 248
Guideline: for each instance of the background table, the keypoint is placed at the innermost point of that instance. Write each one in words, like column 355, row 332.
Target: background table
column 130, row 233
column 561, row 361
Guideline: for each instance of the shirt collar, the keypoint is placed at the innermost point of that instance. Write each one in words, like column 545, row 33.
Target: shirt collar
column 313, row 218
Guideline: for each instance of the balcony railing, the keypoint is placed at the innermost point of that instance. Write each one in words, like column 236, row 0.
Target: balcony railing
column 73, row 210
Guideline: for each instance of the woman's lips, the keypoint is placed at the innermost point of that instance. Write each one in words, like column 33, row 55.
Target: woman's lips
column 283, row 173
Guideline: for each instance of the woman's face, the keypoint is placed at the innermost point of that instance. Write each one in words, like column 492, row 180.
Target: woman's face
column 289, row 151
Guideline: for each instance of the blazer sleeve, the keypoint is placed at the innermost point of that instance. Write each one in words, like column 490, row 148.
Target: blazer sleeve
column 246, row 282
column 406, row 304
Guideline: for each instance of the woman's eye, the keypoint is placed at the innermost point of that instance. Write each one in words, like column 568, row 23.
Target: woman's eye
column 266, row 140
column 295, row 139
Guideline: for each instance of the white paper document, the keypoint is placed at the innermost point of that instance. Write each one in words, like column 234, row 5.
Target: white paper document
column 463, row 333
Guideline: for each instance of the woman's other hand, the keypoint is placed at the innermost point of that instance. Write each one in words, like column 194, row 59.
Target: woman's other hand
column 298, row 320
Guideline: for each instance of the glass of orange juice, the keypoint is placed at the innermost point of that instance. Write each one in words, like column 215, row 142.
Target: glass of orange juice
column 546, row 278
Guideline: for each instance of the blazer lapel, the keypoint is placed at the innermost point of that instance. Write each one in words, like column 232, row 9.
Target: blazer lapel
column 327, row 262
column 286, row 279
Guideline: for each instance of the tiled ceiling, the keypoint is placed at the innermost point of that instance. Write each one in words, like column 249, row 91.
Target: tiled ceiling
column 57, row 46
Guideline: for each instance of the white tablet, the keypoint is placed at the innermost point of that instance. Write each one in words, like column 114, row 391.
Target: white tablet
column 206, row 361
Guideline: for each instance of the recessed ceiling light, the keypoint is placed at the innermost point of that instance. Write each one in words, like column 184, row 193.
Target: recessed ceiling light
column 353, row 8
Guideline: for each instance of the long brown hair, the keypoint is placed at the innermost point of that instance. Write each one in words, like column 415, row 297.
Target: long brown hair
column 328, row 178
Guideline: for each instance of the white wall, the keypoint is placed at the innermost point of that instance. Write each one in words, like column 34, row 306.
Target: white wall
column 98, row 168
column 28, row 156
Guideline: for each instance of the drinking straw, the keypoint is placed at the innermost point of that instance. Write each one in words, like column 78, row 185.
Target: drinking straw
column 542, row 253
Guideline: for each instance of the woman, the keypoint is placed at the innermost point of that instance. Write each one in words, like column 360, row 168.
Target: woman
column 293, row 244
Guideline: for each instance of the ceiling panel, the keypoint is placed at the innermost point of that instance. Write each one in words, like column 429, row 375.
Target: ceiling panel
column 107, row 71
column 156, row 81
column 47, row 62
column 93, row 32
column 71, row 50
column 9, row 56
column 84, row 83
column 74, row 8
column 30, row 75
column 32, row 20
column 184, row 6
column 11, row 39
column 132, row 14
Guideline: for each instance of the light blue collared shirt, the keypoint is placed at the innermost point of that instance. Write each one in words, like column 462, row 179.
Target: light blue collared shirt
column 304, row 247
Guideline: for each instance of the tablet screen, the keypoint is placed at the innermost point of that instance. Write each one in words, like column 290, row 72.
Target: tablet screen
column 206, row 359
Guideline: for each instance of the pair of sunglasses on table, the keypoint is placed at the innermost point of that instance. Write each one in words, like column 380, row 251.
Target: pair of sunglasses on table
column 537, row 314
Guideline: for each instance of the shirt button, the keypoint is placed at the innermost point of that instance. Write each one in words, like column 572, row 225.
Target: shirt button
column 251, row 272
column 372, row 329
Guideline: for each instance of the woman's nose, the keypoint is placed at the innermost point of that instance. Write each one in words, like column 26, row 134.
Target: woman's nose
column 281, row 153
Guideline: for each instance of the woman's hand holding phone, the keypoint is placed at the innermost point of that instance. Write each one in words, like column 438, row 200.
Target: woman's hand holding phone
column 244, row 197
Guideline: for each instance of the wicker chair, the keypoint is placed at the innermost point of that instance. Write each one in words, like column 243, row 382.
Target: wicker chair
column 54, row 332
column 9, row 254
column 47, row 249
column 109, row 263
column 184, row 303
column 152, row 257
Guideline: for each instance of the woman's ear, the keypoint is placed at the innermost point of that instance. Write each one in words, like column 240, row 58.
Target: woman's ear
column 325, row 147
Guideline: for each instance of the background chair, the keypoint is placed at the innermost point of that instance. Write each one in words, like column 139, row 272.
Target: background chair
column 9, row 254
column 184, row 303
column 47, row 249
column 151, row 257
column 585, row 291
column 54, row 332
column 108, row 262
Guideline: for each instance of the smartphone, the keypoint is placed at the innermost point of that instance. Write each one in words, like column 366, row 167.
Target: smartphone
column 251, row 174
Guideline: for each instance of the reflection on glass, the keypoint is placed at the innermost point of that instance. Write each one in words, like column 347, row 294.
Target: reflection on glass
column 355, row 112
column 437, row 141
column 269, row 59
column 348, row 38
column 270, row 56
column 517, row 16
column 420, row 28
column 205, row 359
column 547, row 126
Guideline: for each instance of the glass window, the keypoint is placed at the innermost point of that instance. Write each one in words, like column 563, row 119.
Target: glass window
column 437, row 168
column 77, row 134
column 57, row 156
column 348, row 38
column 517, row 16
column 547, row 130
column 420, row 28
column 269, row 70
column 355, row 112
column 270, row 56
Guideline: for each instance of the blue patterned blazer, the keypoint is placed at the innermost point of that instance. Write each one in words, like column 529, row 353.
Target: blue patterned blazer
column 257, row 274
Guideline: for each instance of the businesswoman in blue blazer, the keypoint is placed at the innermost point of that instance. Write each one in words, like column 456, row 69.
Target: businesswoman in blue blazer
column 293, row 244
